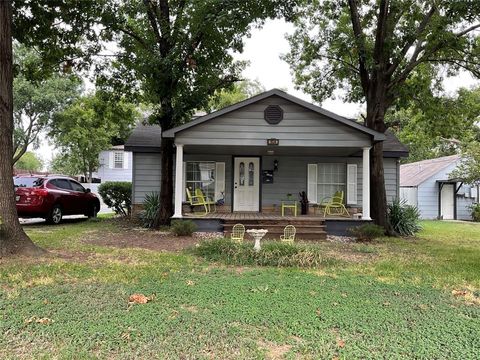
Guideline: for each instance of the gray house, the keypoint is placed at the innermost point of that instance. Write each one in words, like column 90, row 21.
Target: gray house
column 115, row 165
column 251, row 155
column 428, row 185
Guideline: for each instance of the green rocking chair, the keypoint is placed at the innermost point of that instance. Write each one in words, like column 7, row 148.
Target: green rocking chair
column 334, row 205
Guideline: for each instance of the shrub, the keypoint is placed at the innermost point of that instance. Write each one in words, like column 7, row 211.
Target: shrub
column 151, row 205
column 405, row 219
column 117, row 195
column 475, row 212
column 272, row 253
column 367, row 232
column 183, row 227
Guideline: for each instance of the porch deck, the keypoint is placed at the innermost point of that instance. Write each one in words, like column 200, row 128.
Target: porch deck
column 309, row 227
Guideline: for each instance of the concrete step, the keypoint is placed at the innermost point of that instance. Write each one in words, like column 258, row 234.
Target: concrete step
column 313, row 236
column 284, row 222
column 277, row 227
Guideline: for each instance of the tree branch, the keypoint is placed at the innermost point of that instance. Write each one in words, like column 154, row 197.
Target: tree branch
column 378, row 53
column 467, row 30
column 151, row 14
column 360, row 42
column 418, row 34
column 346, row 63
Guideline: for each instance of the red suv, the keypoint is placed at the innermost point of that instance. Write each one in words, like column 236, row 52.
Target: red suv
column 52, row 197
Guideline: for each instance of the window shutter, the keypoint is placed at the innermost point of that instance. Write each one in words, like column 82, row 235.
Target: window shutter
column 351, row 183
column 219, row 180
column 125, row 160
column 312, row 183
column 184, row 198
column 111, row 156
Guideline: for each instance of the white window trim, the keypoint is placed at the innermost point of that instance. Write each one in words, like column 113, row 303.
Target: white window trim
column 115, row 162
column 352, row 194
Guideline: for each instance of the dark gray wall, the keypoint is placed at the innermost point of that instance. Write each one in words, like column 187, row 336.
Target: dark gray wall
column 300, row 127
column 146, row 175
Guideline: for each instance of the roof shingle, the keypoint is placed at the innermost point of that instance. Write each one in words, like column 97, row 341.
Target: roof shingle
column 414, row 174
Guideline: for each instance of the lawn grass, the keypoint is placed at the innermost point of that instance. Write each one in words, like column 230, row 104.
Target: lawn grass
column 387, row 299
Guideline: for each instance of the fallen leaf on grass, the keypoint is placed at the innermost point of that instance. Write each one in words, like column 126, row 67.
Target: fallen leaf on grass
column 190, row 283
column 340, row 343
column 36, row 319
column 140, row 299
column 459, row 292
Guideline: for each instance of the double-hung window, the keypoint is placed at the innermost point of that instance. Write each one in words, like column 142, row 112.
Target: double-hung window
column 201, row 175
column 330, row 179
column 118, row 160
column 325, row 179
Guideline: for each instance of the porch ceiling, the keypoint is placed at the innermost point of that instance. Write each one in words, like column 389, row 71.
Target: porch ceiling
column 267, row 150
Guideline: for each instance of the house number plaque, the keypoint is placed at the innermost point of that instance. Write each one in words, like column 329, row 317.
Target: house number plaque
column 273, row 141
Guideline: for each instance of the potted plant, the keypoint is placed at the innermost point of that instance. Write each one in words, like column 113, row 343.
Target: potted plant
column 303, row 202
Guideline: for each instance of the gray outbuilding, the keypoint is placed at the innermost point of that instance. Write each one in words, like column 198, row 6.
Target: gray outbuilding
column 429, row 186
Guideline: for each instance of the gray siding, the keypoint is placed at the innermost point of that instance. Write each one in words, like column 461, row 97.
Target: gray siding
column 146, row 175
column 291, row 177
column 428, row 197
column 392, row 178
column 299, row 127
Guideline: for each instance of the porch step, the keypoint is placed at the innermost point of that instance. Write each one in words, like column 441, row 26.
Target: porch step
column 307, row 229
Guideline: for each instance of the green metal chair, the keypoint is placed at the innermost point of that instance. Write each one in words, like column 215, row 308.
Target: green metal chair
column 238, row 233
column 206, row 200
column 288, row 234
column 194, row 200
column 334, row 205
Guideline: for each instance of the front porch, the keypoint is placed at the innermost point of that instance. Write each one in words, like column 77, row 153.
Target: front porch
column 309, row 227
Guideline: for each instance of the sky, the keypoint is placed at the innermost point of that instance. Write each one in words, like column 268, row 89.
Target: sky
column 263, row 51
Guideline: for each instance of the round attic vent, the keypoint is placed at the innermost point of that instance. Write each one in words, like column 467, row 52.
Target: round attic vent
column 273, row 114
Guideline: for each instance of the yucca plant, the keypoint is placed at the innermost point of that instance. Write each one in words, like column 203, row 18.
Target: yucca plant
column 151, row 205
column 404, row 218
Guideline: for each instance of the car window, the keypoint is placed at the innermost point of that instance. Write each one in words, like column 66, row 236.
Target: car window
column 63, row 184
column 76, row 186
column 29, row 181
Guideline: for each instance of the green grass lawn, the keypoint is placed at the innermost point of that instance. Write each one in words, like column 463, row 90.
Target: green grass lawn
column 389, row 299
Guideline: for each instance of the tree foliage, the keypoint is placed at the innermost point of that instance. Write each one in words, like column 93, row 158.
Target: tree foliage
column 86, row 128
column 237, row 92
column 175, row 55
column 36, row 101
column 469, row 168
column 30, row 162
column 437, row 125
column 373, row 51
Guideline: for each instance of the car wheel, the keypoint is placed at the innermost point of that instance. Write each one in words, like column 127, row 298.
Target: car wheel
column 93, row 211
column 56, row 215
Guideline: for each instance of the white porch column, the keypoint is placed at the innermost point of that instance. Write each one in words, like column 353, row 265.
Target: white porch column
column 178, row 181
column 366, row 184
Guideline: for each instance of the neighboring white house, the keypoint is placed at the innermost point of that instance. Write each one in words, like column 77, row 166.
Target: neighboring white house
column 427, row 185
column 115, row 165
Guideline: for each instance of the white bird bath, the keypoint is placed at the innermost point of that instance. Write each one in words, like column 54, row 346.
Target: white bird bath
column 257, row 235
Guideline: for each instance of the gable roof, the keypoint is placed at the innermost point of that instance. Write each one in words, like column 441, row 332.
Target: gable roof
column 377, row 136
column 145, row 138
column 414, row 174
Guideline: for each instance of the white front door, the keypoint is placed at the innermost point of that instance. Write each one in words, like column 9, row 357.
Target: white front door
column 447, row 199
column 246, row 184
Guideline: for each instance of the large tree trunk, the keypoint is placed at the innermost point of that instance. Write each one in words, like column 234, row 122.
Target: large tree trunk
column 166, row 191
column 13, row 239
column 378, row 196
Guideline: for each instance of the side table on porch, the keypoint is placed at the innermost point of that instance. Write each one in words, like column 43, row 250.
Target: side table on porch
column 289, row 204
